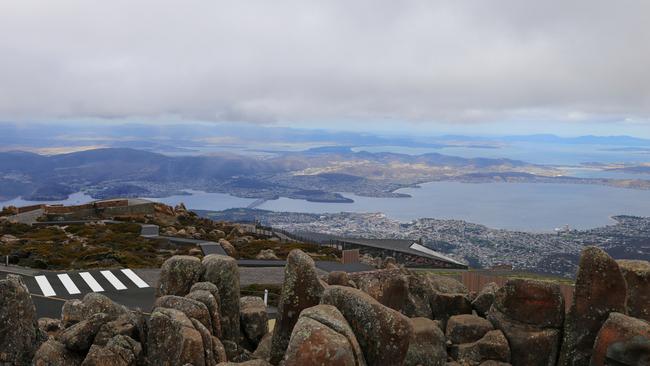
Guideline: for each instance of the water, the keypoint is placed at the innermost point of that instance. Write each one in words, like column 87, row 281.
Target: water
column 516, row 206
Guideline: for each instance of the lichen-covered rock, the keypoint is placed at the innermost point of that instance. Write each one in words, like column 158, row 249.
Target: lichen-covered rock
column 50, row 326
column 54, row 353
column 530, row 314
column 267, row 254
column 522, row 338
column 228, row 248
column 120, row 350
column 74, row 311
column 531, row 302
column 484, row 299
column 125, row 324
column 207, row 286
column 212, row 305
column 301, row 289
column 19, row 332
column 427, row 346
column 445, row 305
column 313, row 343
column 383, row 333
column 492, row 346
column 263, row 350
column 447, row 285
column 420, row 292
column 600, row 289
column 173, row 340
column 223, row 272
column 637, row 278
column 178, row 274
column 206, row 337
column 192, row 308
column 254, row 319
column 623, row 340
column 80, row 336
column 467, row 328
column 339, row 278
column 388, row 286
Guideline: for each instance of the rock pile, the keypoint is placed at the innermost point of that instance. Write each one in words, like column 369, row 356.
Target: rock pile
column 390, row 316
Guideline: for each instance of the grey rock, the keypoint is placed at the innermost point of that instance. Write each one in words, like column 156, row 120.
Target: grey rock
column 224, row 273
column 178, row 274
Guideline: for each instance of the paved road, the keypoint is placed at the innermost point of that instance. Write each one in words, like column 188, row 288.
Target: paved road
column 50, row 289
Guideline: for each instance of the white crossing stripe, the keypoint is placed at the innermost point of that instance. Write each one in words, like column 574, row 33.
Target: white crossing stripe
column 113, row 280
column 135, row 278
column 69, row 285
column 92, row 283
column 45, row 286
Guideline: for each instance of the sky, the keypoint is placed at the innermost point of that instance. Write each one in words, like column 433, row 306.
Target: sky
column 510, row 66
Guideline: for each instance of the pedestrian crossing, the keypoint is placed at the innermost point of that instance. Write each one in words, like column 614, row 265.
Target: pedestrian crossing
column 75, row 283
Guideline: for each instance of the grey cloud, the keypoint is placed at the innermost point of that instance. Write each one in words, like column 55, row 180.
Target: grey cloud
column 268, row 61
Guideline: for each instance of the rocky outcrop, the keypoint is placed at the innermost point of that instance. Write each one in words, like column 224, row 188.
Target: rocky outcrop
column 622, row 340
column 74, row 311
column 301, row 289
column 530, row 314
column 80, row 336
column 173, row 340
column 484, row 299
column 389, row 286
column 340, row 278
column 322, row 336
column 50, row 327
column 637, row 278
column 120, row 350
column 53, row 352
column 420, row 293
column 223, row 272
column 192, row 308
column 445, row 305
column 178, row 274
column 466, row 328
column 253, row 320
column 427, row 344
column 383, row 333
column 228, row 248
column 493, row 346
column 19, row 332
column 600, row 289
column 211, row 304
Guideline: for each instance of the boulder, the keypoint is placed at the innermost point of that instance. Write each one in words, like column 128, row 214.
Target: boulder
column 339, row 278
column 53, row 352
column 484, row 299
column 50, row 326
column 622, row 340
column 531, row 302
column 228, row 248
column 120, row 350
column 466, row 328
column 267, row 254
column 447, row 285
column 192, row 308
column 207, row 286
column 173, row 340
column 80, row 336
column 74, row 311
column 313, row 343
column 301, row 289
column 212, row 305
column 383, row 333
column 445, row 305
column 19, row 332
column 420, row 292
column 492, row 346
column 388, row 286
column 206, row 338
column 253, row 319
column 637, row 278
column 530, row 315
column 263, row 349
column 600, row 289
column 427, row 345
column 125, row 324
column 522, row 338
column 178, row 274
column 222, row 271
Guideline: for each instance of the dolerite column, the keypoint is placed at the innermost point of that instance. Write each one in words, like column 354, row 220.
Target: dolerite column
column 301, row 289
column 222, row 271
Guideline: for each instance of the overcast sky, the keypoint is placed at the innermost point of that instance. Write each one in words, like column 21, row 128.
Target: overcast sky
column 580, row 66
